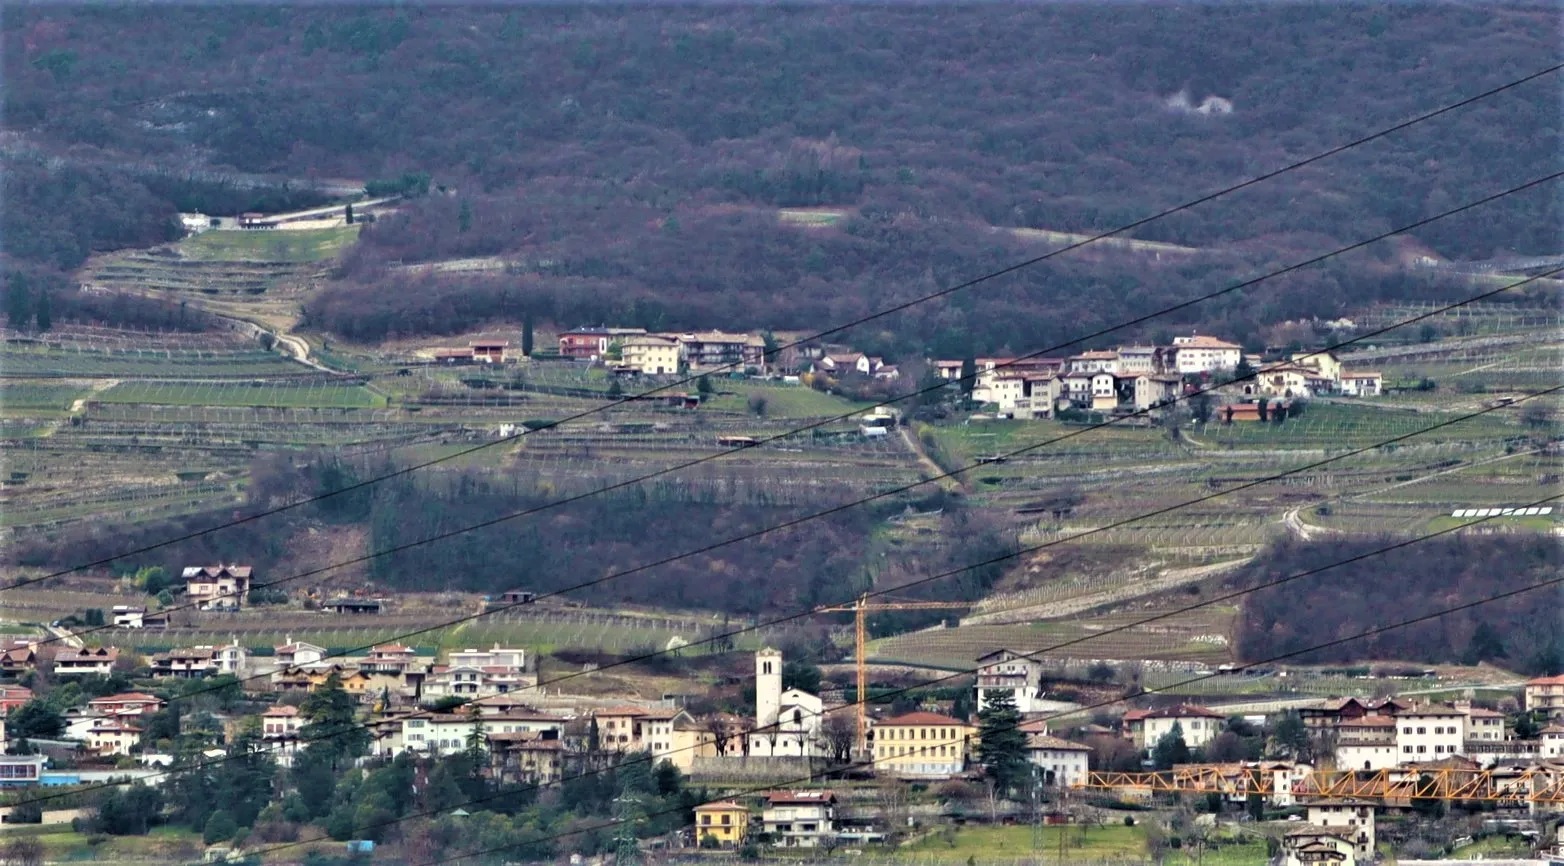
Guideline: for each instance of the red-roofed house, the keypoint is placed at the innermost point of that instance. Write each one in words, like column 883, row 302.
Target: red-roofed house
column 12, row 697
column 126, row 704
column 1198, row 725
column 921, row 745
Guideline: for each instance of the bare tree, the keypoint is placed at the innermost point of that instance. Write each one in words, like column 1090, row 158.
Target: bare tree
column 892, row 799
column 24, row 851
column 840, row 733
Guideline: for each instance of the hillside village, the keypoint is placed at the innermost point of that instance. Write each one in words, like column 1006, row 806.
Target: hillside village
column 1327, row 780
column 1126, row 379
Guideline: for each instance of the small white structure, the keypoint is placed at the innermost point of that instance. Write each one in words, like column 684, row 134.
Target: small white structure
column 129, row 616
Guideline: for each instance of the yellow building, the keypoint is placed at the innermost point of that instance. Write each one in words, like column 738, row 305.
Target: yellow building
column 726, row 822
column 1325, row 362
column 921, row 745
column 650, row 354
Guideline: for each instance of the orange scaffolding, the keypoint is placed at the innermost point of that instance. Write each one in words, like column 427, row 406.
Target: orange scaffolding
column 1531, row 785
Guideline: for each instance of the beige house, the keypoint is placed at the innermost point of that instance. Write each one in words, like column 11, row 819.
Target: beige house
column 217, row 587
column 649, row 354
column 1317, row 846
column 112, row 736
column 1354, row 819
column 1328, row 365
column 921, row 745
column 1546, row 694
column 1154, row 388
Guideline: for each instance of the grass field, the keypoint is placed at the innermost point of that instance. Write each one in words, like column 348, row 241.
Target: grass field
column 271, row 245
column 87, row 362
column 1084, row 843
column 321, row 395
column 31, row 395
column 782, row 401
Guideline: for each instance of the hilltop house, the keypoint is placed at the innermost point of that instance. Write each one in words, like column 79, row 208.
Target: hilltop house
column 1007, row 671
column 218, row 587
column 97, row 661
column 489, row 351
column 649, row 355
column 297, row 653
column 705, row 351
column 589, row 344
column 1060, row 762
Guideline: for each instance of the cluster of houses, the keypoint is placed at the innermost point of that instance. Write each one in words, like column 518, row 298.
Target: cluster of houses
column 635, row 350
column 1140, row 378
column 425, row 706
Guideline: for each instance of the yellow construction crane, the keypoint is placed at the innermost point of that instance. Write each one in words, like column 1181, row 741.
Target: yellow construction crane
column 860, row 608
column 1537, row 785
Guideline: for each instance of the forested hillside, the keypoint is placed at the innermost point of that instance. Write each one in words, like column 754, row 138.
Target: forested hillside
column 1520, row 632
column 630, row 160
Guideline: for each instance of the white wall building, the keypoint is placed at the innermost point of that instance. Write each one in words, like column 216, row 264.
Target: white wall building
column 1009, row 671
column 1202, row 354
column 1061, row 762
column 1429, row 732
column 1355, row 818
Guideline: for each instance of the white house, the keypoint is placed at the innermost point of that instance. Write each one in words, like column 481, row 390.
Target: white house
column 97, row 661
column 1197, row 725
column 1367, row 743
column 1004, row 670
column 129, row 616
column 1060, row 762
column 1428, row 732
column 1203, row 354
column 1362, row 383
column 297, row 653
column 800, row 819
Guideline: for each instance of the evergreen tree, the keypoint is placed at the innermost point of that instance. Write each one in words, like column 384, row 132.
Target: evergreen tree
column 347, row 214
column 968, row 375
column 1171, row 749
column 1001, row 743
column 703, row 386
column 220, row 827
column 331, row 727
column 615, row 389
column 18, row 306
column 1486, row 645
column 464, row 217
column 526, row 336
column 45, row 314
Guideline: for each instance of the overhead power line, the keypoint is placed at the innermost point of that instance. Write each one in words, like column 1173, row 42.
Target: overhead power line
column 883, row 494
column 390, row 551
column 870, row 763
column 1102, row 633
column 1127, row 227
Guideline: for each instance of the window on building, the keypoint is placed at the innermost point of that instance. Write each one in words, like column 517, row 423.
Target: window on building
column 726, row 820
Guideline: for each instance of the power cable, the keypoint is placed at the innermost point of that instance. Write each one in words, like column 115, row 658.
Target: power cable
column 1047, row 717
column 389, row 551
column 932, row 578
column 883, row 494
column 840, row 328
